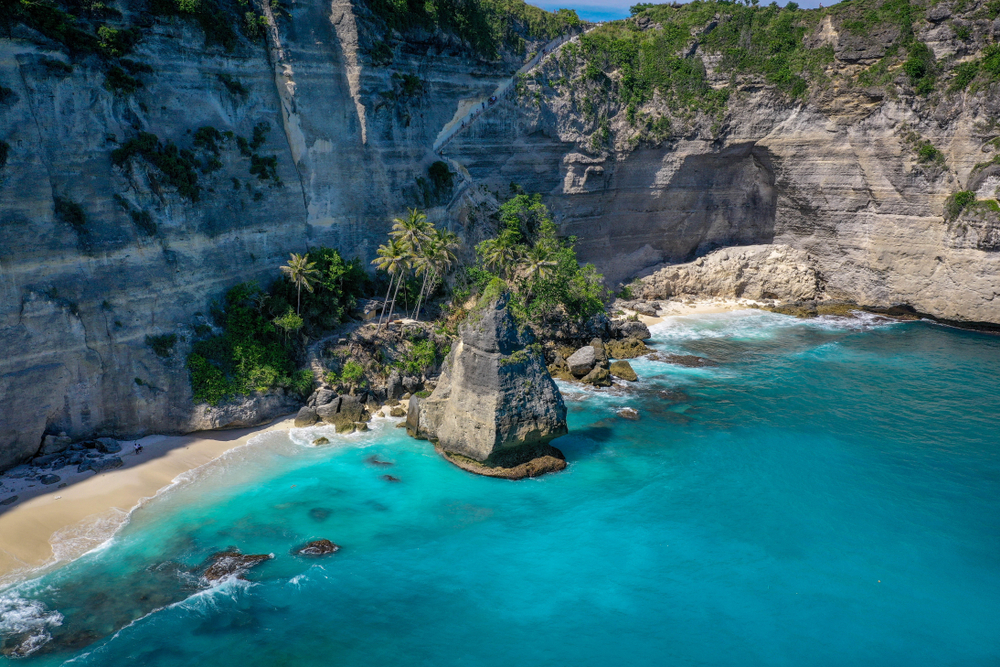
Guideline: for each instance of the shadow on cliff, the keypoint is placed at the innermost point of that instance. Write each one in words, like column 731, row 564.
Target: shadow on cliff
column 634, row 220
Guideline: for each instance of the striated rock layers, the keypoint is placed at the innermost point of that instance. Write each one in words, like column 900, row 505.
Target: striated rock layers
column 495, row 402
column 748, row 272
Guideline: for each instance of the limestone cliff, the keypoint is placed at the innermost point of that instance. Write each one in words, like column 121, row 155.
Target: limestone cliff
column 338, row 123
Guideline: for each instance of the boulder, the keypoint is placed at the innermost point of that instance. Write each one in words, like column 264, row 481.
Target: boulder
column 317, row 548
column 599, row 377
column 53, row 444
column 599, row 353
column 321, row 396
column 631, row 329
column 629, row 348
column 9, row 500
column 230, row 563
column 582, row 361
column 412, row 384
column 50, row 479
column 397, row 411
column 623, row 371
column 394, row 385
column 101, row 464
column 322, row 440
column 108, row 446
column 306, row 417
column 559, row 369
column 360, row 426
column 495, row 397
column 342, row 412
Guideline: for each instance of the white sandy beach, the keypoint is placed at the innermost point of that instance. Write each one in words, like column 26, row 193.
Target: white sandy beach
column 90, row 508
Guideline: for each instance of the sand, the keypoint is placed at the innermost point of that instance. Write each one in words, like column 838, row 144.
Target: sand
column 52, row 526
column 680, row 308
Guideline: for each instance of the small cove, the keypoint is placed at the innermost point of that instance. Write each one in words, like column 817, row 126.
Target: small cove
column 826, row 494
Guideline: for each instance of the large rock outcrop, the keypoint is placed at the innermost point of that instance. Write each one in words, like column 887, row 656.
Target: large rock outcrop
column 495, row 402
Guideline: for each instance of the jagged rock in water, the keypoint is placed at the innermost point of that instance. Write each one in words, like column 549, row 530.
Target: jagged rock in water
column 376, row 461
column 599, row 377
column 318, row 548
column 390, row 478
column 322, row 440
column 228, row 563
column 688, row 360
column 630, row 329
column 397, row 411
column 495, row 398
column 306, row 417
column 582, row 361
column 343, row 412
column 559, row 369
column 623, row 371
column 629, row 413
column 630, row 348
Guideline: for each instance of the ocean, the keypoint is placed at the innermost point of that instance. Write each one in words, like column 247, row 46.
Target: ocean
column 828, row 493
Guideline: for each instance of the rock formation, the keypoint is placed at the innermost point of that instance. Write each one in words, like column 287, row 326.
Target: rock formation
column 495, row 402
column 233, row 563
column 831, row 182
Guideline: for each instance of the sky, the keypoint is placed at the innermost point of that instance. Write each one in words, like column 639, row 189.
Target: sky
column 609, row 10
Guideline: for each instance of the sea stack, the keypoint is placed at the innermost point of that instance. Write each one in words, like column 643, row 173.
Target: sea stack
column 496, row 407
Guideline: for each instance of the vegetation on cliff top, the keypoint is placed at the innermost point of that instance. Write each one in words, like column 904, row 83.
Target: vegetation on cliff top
column 486, row 26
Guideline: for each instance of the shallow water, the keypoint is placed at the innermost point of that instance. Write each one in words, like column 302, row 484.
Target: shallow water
column 825, row 495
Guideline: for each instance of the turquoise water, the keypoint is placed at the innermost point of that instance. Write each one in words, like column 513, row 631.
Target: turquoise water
column 829, row 494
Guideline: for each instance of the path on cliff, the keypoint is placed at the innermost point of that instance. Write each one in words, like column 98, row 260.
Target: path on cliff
column 475, row 108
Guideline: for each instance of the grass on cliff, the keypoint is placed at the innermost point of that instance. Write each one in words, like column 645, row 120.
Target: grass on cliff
column 255, row 352
column 487, row 26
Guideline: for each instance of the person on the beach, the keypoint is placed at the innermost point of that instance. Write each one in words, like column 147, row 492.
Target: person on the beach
column 137, row 447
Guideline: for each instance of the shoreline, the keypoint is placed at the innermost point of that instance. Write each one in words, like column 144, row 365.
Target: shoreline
column 681, row 308
column 91, row 508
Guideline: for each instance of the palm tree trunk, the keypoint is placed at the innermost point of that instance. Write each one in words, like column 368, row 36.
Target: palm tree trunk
column 392, row 306
column 384, row 303
column 416, row 312
column 298, row 301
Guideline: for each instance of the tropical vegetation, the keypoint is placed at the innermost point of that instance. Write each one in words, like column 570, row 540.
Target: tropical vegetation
column 541, row 271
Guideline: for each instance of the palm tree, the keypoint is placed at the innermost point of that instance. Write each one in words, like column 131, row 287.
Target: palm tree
column 393, row 258
column 536, row 263
column 411, row 230
column 500, row 253
column 440, row 257
column 301, row 272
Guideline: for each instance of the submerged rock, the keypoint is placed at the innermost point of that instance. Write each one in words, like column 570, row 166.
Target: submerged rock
column 376, row 461
column 228, row 563
column 629, row 413
column 390, row 478
column 495, row 398
column 689, row 360
column 318, row 548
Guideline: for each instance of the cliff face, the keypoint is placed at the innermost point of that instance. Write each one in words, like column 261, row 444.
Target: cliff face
column 835, row 174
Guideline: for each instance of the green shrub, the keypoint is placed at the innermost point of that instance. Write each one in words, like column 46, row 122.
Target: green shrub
column 144, row 221
column 264, row 168
column 926, row 153
column 119, row 82
column 919, row 67
column 957, row 203
column 115, row 43
column 260, row 131
column 162, row 345
column 178, row 165
column 419, row 358
column 233, row 85
column 352, row 372
column 70, row 212
column 207, row 138
column 56, row 67
column 215, row 20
